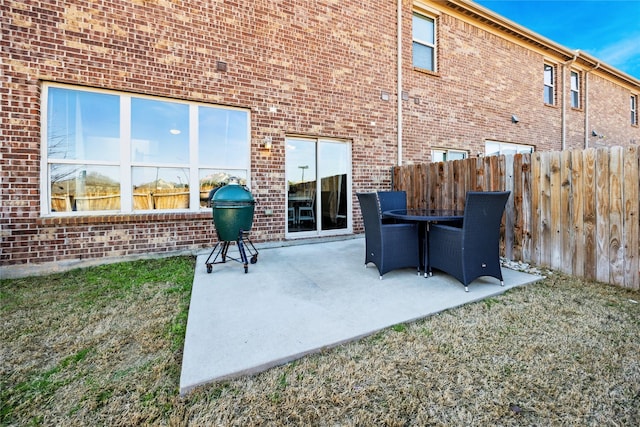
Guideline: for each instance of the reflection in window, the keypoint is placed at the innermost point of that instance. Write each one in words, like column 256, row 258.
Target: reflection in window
column 160, row 188
column 101, row 160
column 159, row 131
column 215, row 178
column 83, row 125
column 82, row 187
column 223, row 134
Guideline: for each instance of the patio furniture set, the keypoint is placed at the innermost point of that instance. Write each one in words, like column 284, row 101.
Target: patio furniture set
column 464, row 244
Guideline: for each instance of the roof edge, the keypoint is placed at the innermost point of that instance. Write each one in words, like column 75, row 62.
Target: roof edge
column 471, row 8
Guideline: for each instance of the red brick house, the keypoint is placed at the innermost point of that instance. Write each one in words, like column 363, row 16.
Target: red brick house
column 119, row 117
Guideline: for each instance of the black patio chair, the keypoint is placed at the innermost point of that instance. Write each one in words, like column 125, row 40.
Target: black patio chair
column 388, row 246
column 391, row 200
column 472, row 250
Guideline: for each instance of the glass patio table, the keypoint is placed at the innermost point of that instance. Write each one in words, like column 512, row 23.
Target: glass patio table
column 425, row 217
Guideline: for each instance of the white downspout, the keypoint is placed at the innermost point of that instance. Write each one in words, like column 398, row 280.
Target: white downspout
column 399, row 90
column 586, row 105
column 564, row 99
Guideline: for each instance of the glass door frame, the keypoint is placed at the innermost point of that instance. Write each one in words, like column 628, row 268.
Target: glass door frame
column 317, row 169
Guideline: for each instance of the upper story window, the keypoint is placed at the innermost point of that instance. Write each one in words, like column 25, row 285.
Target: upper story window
column 549, row 84
column 575, row 89
column 634, row 110
column 443, row 155
column 496, row 148
column 424, row 42
column 108, row 151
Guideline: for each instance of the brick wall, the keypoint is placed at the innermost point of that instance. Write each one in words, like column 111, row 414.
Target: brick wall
column 303, row 68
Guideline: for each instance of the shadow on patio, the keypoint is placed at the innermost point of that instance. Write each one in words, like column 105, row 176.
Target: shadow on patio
column 301, row 299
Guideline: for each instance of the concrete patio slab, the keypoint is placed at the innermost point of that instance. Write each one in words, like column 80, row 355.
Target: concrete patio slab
column 301, row 299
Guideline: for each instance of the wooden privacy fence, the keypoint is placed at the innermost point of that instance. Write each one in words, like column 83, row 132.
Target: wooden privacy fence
column 573, row 211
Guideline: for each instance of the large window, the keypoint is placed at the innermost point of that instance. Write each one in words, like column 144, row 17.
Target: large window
column 108, row 151
column 549, row 84
column 634, row 110
column 424, row 42
column 575, row 89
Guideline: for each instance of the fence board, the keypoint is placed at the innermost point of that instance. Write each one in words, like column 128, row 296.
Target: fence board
column 535, row 208
column 555, row 208
column 602, row 213
column 526, row 212
column 545, row 210
column 631, row 190
column 577, row 212
column 510, row 216
column 590, row 211
column 566, row 231
column 616, row 250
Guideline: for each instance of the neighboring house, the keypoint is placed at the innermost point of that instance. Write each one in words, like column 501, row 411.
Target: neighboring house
column 119, row 117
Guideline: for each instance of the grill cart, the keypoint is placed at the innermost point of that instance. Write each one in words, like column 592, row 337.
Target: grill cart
column 233, row 207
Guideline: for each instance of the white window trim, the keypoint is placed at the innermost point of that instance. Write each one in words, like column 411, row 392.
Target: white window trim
column 434, row 17
column 553, row 83
column 124, row 162
column 577, row 90
column 633, row 101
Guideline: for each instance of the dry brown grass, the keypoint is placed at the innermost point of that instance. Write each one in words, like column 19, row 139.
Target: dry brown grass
column 559, row 352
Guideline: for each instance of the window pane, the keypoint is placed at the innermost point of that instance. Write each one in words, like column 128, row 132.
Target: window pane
column 84, row 188
column 548, row 75
column 423, row 29
column 214, row 178
column 423, row 56
column 575, row 99
column 457, row 155
column 548, row 95
column 574, row 81
column 159, row 131
column 160, row 188
column 223, row 137
column 82, row 125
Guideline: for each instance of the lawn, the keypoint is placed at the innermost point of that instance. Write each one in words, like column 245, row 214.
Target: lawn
column 103, row 346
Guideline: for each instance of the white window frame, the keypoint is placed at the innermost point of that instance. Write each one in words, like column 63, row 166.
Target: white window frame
column 506, row 148
column 420, row 14
column 575, row 91
column 551, row 85
column 444, row 154
column 634, row 110
column 194, row 166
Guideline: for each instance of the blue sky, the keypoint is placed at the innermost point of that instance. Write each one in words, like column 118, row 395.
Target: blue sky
column 606, row 29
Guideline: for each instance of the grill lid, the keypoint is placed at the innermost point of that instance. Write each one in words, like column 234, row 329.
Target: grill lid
column 232, row 195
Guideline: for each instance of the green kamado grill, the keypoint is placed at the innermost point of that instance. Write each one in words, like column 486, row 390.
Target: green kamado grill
column 232, row 207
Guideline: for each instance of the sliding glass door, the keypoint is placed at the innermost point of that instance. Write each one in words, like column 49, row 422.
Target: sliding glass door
column 318, row 173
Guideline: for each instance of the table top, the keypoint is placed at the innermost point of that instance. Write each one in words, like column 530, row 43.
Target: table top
column 425, row 214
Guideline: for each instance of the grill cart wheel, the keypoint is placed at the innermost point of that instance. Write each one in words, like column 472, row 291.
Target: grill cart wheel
column 254, row 259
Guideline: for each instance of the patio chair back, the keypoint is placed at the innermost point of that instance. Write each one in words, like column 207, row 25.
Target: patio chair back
column 473, row 250
column 391, row 200
column 388, row 246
